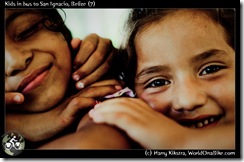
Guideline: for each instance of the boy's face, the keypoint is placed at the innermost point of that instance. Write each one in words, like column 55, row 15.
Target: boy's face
column 186, row 70
column 37, row 61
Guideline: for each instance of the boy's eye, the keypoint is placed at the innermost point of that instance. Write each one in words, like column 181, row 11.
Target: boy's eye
column 211, row 69
column 157, row 83
column 29, row 31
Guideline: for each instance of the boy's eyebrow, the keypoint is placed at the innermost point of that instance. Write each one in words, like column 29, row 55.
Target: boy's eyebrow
column 152, row 69
column 208, row 54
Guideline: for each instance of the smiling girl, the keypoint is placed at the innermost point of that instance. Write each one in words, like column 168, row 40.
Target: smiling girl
column 184, row 69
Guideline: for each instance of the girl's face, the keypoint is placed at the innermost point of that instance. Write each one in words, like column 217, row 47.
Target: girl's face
column 186, row 70
column 37, row 61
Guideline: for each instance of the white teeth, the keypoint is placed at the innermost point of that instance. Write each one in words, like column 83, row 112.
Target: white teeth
column 205, row 122
column 199, row 125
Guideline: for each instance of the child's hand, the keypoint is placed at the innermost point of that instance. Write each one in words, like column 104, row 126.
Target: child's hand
column 86, row 98
column 93, row 59
column 70, row 110
column 13, row 98
column 44, row 125
column 153, row 130
column 143, row 124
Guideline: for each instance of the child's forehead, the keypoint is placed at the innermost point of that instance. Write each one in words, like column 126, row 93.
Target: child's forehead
column 178, row 18
column 181, row 21
column 12, row 14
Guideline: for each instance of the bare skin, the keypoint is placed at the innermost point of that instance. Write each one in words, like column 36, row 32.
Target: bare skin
column 185, row 84
column 38, row 69
column 91, row 136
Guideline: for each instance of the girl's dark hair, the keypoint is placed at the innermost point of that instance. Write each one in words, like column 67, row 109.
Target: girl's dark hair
column 139, row 18
column 52, row 21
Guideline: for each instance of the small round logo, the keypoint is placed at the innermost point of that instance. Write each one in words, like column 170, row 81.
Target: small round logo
column 13, row 143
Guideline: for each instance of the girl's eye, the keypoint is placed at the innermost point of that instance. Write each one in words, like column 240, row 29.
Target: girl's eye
column 211, row 69
column 28, row 32
column 157, row 83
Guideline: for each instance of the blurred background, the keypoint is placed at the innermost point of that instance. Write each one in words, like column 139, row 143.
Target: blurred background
column 106, row 23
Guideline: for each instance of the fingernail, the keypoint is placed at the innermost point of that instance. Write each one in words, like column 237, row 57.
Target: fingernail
column 80, row 85
column 118, row 87
column 97, row 102
column 76, row 77
column 17, row 98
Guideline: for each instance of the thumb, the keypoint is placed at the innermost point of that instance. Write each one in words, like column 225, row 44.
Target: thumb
column 13, row 98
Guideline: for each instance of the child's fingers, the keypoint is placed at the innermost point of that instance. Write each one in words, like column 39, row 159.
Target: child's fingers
column 134, row 117
column 99, row 91
column 74, row 107
column 75, row 43
column 120, row 114
column 95, row 75
column 97, row 64
column 86, row 49
column 84, row 100
column 13, row 98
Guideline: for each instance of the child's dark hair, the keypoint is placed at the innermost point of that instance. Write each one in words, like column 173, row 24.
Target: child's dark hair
column 139, row 18
column 52, row 21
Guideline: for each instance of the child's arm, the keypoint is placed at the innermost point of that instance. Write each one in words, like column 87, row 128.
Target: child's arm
column 153, row 130
column 41, row 126
column 91, row 136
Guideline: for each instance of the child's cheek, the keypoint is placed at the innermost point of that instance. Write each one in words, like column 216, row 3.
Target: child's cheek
column 222, row 94
column 155, row 101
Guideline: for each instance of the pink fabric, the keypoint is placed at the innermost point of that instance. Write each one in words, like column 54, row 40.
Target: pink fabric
column 123, row 92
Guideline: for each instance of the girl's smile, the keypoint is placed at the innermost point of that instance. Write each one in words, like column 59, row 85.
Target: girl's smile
column 201, row 121
column 37, row 60
column 34, row 79
column 187, row 71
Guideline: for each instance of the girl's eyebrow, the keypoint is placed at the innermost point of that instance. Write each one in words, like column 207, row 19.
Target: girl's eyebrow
column 200, row 57
column 208, row 54
column 15, row 15
column 152, row 69
column 12, row 17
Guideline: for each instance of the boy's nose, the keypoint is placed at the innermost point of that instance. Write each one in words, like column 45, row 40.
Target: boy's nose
column 188, row 96
column 16, row 61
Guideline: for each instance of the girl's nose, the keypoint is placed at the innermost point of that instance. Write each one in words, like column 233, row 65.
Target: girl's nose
column 16, row 61
column 188, row 95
